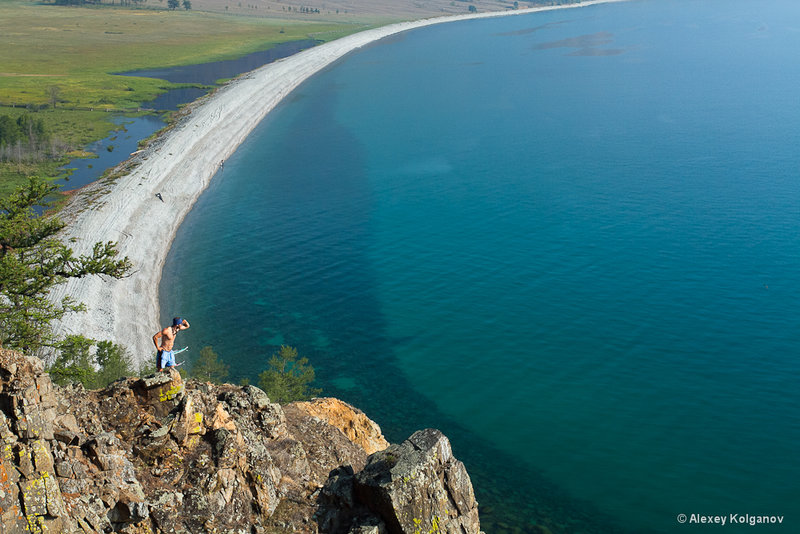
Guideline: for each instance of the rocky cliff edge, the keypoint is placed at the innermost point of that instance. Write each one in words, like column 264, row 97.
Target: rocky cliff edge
column 160, row 455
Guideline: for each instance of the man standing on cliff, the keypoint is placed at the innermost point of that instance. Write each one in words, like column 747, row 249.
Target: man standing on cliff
column 166, row 357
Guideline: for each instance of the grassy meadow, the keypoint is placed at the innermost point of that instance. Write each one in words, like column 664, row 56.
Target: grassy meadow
column 60, row 61
column 79, row 48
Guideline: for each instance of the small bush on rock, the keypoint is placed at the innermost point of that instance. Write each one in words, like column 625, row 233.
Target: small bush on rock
column 288, row 378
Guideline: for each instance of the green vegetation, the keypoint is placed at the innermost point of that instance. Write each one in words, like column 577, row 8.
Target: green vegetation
column 76, row 128
column 287, row 379
column 26, row 145
column 75, row 365
column 208, row 368
column 67, row 130
column 77, row 49
column 32, row 261
column 20, row 137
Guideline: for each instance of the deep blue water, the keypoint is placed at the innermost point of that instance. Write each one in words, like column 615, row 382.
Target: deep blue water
column 567, row 239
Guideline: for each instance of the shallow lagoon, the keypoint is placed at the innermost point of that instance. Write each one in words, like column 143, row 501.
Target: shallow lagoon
column 118, row 146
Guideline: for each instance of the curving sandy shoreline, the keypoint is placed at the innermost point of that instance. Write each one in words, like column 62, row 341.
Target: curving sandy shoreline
column 180, row 166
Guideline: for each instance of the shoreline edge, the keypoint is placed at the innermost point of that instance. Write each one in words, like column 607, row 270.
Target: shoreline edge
column 179, row 165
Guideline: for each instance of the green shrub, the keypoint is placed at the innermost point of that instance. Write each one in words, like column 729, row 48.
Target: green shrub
column 75, row 365
column 288, row 378
column 208, row 367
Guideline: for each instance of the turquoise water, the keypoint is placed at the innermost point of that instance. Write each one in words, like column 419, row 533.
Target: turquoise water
column 567, row 239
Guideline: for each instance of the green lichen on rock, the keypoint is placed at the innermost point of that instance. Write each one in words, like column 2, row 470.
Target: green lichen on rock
column 171, row 393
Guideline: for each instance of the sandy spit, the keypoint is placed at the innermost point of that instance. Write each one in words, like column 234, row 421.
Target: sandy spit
column 180, row 166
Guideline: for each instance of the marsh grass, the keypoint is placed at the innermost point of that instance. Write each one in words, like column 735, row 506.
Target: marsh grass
column 77, row 128
column 13, row 175
column 73, row 129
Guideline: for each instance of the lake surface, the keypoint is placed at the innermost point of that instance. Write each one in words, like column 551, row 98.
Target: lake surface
column 567, row 239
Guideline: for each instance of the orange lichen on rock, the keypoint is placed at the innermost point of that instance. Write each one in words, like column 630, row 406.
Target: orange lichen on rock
column 359, row 428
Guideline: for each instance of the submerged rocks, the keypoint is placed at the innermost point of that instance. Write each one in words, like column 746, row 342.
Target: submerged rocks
column 158, row 454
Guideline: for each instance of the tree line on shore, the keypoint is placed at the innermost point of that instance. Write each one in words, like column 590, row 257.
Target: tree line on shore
column 33, row 261
column 26, row 138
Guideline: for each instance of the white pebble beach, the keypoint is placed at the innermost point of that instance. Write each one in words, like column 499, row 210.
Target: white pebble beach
column 179, row 165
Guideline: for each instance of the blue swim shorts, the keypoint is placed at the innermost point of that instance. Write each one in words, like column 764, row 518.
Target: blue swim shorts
column 167, row 359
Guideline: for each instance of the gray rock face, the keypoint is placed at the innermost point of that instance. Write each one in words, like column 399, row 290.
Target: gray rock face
column 157, row 455
column 416, row 486
column 30, row 498
column 419, row 486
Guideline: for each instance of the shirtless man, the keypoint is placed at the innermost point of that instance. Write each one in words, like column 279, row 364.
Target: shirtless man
column 166, row 357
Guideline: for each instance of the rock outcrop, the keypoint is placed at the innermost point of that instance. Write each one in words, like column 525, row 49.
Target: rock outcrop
column 157, row 454
column 359, row 428
column 417, row 486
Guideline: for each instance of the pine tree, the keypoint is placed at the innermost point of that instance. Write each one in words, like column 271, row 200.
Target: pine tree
column 114, row 363
column 287, row 378
column 32, row 261
column 75, row 365
column 208, row 367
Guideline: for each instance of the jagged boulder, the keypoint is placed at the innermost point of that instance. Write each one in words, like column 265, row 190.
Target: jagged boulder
column 30, row 497
column 416, row 486
column 159, row 392
column 358, row 428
